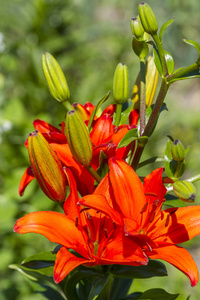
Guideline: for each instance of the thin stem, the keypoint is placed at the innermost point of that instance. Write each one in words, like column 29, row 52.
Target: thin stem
column 159, row 45
column 118, row 114
column 142, row 95
column 156, row 109
column 148, row 129
column 183, row 71
column 67, row 105
column 94, row 174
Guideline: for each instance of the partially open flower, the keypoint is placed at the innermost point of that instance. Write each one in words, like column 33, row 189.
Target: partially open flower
column 46, row 167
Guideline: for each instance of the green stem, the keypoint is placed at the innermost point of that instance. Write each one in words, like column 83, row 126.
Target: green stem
column 67, row 105
column 156, row 109
column 94, row 174
column 118, row 114
column 192, row 179
column 142, row 95
column 148, row 129
column 161, row 53
column 183, row 71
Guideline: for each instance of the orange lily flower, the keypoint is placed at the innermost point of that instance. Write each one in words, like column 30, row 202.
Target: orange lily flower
column 104, row 136
column 139, row 205
column 94, row 236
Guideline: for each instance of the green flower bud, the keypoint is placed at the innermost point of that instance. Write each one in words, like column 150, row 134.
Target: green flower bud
column 185, row 190
column 148, row 18
column 177, row 150
column 78, row 138
column 55, row 78
column 140, row 48
column 120, row 84
column 137, row 29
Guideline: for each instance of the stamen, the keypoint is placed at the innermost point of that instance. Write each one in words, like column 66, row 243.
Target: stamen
column 83, row 209
column 144, row 208
column 151, row 194
column 106, row 232
column 167, row 220
column 76, row 222
column 152, row 215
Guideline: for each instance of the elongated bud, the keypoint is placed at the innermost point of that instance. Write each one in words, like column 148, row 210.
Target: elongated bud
column 185, row 190
column 137, row 29
column 151, row 84
column 178, row 150
column 83, row 112
column 120, row 84
column 46, row 167
column 148, row 18
column 78, row 138
column 140, row 48
column 55, row 78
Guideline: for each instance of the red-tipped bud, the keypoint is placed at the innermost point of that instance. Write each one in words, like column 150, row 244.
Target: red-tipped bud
column 46, row 167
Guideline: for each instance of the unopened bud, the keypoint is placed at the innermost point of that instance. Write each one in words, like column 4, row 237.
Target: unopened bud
column 55, row 78
column 140, row 48
column 177, row 151
column 148, row 18
column 83, row 112
column 46, row 167
column 185, row 190
column 78, row 138
column 120, row 84
column 137, row 29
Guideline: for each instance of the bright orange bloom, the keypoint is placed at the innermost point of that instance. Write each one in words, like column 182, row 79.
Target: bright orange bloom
column 104, row 137
column 93, row 235
column 139, row 207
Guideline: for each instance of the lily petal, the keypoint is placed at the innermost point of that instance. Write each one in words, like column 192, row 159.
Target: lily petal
column 99, row 203
column 180, row 258
column 127, row 188
column 55, row 226
column 43, row 126
column 176, row 225
column 65, row 263
column 25, row 180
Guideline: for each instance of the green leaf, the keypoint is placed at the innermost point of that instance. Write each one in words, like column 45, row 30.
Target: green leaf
column 126, row 112
column 189, row 75
column 151, row 160
column 99, row 286
column 120, row 288
column 105, row 292
column 32, row 274
column 194, row 44
column 128, row 138
column 175, row 203
column 101, row 101
column 157, row 61
column 169, row 62
column 158, row 294
column 148, row 114
column 40, row 260
column 154, row 268
column 164, row 27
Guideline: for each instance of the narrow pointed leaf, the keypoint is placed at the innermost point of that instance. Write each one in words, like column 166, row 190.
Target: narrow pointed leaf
column 194, row 44
column 96, row 109
column 154, row 268
column 170, row 62
column 157, row 294
column 164, row 27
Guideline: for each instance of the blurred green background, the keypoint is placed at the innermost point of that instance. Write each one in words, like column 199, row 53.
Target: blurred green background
column 88, row 38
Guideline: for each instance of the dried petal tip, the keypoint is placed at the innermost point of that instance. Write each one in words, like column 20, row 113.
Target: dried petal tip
column 185, row 190
column 148, row 18
column 78, row 138
column 55, row 78
column 120, row 84
column 46, row 167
